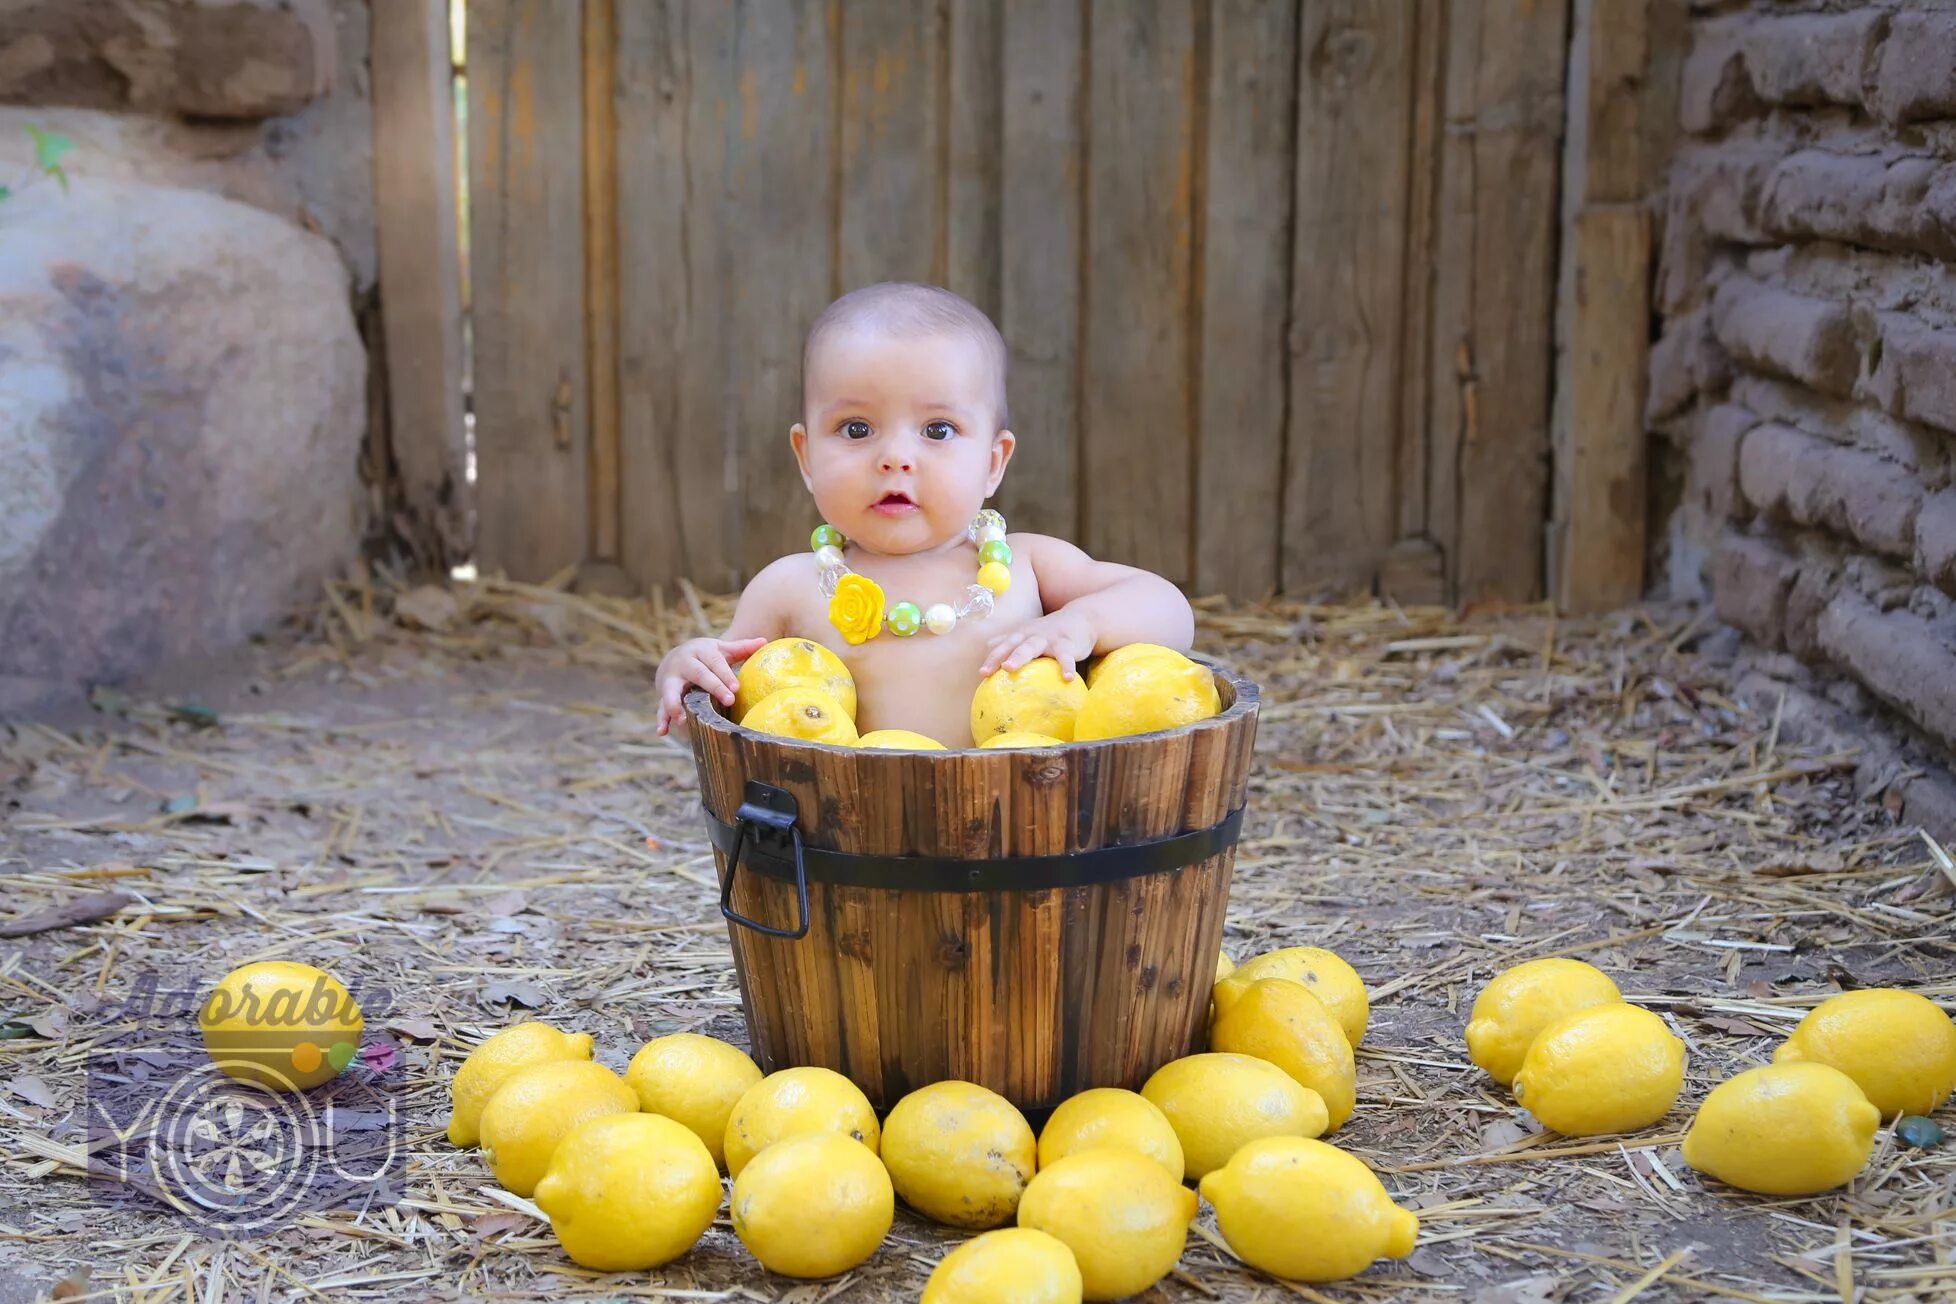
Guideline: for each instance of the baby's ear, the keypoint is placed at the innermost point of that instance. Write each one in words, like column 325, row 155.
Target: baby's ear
column 1002, row 445
column 798, row 439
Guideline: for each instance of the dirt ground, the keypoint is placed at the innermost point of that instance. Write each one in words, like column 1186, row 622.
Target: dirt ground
column 456, row 801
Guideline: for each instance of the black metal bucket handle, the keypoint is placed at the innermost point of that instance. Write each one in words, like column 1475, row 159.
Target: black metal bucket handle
column 769, row 815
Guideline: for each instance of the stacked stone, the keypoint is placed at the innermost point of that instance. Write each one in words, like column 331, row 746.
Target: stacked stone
column 1806, row 372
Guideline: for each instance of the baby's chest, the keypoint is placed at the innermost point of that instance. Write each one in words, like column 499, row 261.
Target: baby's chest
column 892, row 656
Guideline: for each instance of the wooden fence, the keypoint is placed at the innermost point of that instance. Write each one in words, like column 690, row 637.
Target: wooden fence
column 1278, row 277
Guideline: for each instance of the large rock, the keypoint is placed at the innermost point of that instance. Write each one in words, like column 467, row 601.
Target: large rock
column 192, row 58
column 182, row 400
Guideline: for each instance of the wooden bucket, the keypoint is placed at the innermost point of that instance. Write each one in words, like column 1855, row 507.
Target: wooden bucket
column 1039, row 922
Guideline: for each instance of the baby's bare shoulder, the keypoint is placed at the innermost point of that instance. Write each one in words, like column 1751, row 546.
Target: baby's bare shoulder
column 785, row 572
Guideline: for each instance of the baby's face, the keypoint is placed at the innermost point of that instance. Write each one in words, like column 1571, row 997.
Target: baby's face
column 900, row 444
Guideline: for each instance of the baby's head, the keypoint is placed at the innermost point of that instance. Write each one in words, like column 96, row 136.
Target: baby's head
column 902, row 436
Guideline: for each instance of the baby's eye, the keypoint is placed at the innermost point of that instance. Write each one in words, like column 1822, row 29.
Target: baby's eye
column 855, row 429
column 940, row 430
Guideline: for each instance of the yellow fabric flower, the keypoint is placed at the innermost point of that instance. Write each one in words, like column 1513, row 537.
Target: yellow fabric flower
column 857, row 608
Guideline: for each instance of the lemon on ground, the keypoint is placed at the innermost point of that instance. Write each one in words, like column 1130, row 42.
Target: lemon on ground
column 1224, row 965
column 959, row 1153
column 902, row 740
column 1109, row 1116
column 626, row 1192
column 281, row 1024
column 1218, row 1103
column 1330, row 979
column 813, row 1205
column 695, row 1081
column 1035, row 698
column 1123, row 1217
column 1519, row 1002
column 793, row 1101
column 793, row 663
column 1144, row 694
column 1898, row 1046
column 1013, row 1265
column 1305, row 1210
column 1609, row 1068
column 1128, row 654
column 1022, row 740
column 490, row 1064
column 1785, row 1129
column 805, row 713
column 536, row 1107
column 1283, row 1022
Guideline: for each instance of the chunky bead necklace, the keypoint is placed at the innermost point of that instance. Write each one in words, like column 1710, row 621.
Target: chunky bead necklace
column 856, row 601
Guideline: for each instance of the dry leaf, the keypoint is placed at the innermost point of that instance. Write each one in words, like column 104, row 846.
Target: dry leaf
column 82, row 910
column 32, row 1090
column 521, row 993
column 414, row 1029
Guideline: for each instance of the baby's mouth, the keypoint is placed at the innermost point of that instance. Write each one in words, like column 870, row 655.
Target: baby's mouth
column 893, row 503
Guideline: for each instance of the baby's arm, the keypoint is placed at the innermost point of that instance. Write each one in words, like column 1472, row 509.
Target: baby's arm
column 1091, row 606
column 759, row 617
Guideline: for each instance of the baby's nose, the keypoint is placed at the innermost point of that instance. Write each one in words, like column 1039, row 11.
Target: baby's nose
column 897, row 458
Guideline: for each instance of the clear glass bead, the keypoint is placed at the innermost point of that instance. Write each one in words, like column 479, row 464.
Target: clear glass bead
column 977, row 603
column 830, row 578
column 987, row 524
column 940, row 619
column 828, row 557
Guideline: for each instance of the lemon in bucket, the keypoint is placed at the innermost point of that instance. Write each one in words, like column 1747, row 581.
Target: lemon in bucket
column 1036, row 698
column 793, row 663
column 809, row 714
column 1141, row 693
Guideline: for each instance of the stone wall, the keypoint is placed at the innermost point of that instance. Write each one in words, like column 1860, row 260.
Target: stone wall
column 183, row 380
column 1804, row 385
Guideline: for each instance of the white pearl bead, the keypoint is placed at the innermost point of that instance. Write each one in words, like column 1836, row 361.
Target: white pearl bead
column 940, row 618
column 989, row 532
column 828, row 557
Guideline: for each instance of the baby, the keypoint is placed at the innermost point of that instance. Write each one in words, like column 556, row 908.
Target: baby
column 902, row 439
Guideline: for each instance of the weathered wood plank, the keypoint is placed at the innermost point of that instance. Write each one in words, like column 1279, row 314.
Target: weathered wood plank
column 526, row 190
column 1600, row 530
column 1414, row 571
column 1041, row 194
column 1452, row 399
column 1249, row 173
column 1499, row 331
column 1354, row 110
column 975, row 77
column 601, row 272
column 891, row 202
column 1137, row 414
column 777, row 268
column 421, row 272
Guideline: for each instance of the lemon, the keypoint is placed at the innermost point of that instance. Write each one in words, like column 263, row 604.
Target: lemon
column 1899, row 1048
column 793, row 663
column 281, row 1024
column 1123, row 1217
column 1108, row 1116
column 805, row 713
column 1224, row 965
column 1305, row 1210
column 1786, row 1129
column 1609, row 1068
column 695, row 1081
column 1129, row 654
column 1218, row 1103
column 1144, row 694
column 794, row 1101
column 959, row 1154
column 813, row 1205
column 1283, row 1022
column 901, row 740
column 627, row 1192
column 536, row 1107
column 1022, row 740
column 1519, row 1002
column 1330, row 979
column 1013, row 1265
column 490, row 1064
column 1035, row 698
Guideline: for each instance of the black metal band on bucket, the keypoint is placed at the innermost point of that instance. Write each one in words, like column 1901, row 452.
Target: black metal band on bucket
column 765, row 834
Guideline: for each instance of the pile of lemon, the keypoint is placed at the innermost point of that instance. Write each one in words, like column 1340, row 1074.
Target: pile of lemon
column 1585, row 1062
column 796, row 688
column 627, row 1168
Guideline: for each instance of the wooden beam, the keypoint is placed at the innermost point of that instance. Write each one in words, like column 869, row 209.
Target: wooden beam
column 421, row 272
column 601, row 272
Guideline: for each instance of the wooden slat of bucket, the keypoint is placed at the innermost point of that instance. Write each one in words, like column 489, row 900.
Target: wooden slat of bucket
column 862, row 809
column 1028, row 989
column 809, row 1024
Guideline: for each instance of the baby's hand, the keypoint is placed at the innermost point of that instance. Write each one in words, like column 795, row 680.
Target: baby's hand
column 1065, row 637
column 701, row 662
